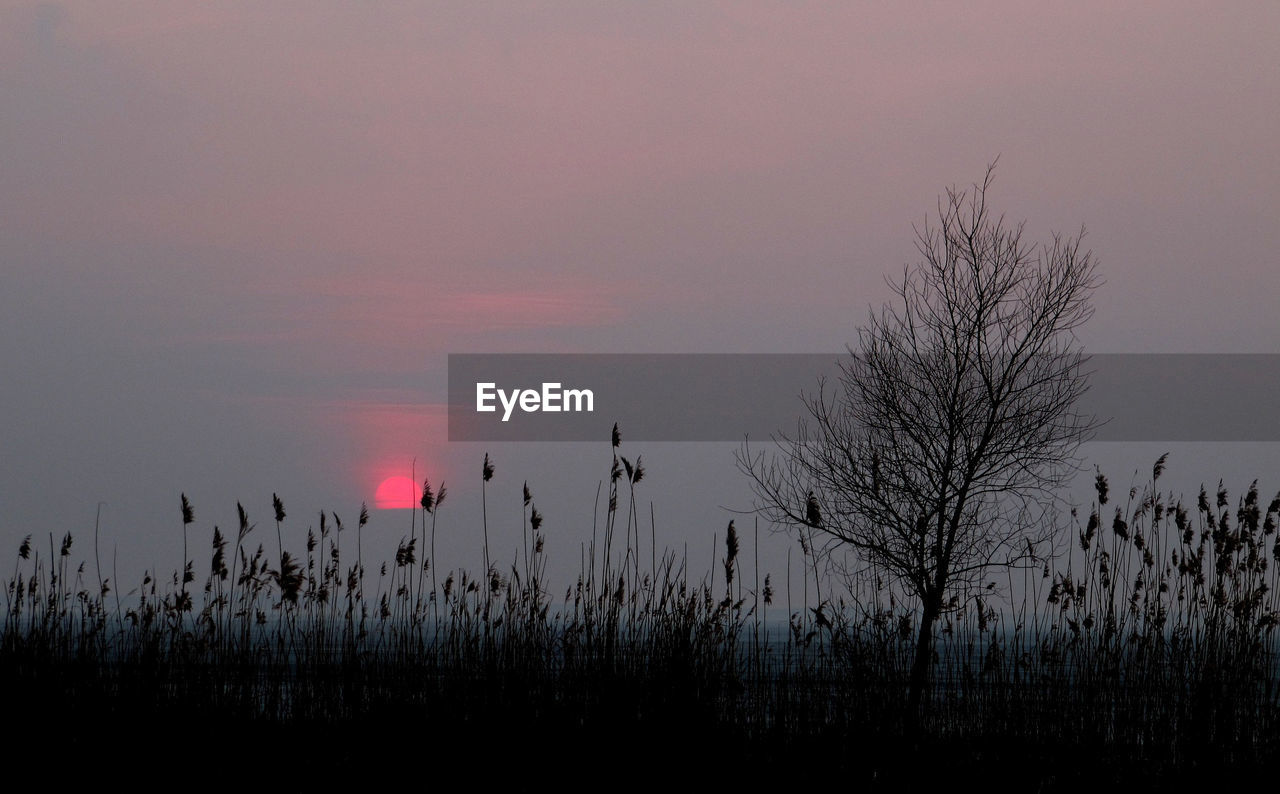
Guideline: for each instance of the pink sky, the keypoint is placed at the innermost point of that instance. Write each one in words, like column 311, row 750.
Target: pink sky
column 279, row 218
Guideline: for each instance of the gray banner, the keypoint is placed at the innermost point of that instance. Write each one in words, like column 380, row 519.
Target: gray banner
column 726, row 397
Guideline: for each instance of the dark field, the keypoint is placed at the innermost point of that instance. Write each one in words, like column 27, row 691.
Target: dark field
column 1146, row 652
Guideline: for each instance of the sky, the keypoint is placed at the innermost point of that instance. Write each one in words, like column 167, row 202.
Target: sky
column 239, row 240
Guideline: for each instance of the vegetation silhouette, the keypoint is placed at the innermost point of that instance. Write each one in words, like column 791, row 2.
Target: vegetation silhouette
column 940, row 453
column 1150, row 646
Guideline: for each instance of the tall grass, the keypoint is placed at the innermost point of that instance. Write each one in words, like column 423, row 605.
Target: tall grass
column 1152, row 638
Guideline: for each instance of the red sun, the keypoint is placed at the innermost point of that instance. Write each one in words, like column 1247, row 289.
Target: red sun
column 396, row 493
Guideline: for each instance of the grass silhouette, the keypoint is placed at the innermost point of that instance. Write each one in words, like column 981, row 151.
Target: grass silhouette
column 1147, row 649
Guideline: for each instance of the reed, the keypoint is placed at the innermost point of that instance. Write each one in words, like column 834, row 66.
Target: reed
column 1152, row 640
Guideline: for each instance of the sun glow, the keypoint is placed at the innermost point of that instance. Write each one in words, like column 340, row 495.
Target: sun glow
column 396, row 493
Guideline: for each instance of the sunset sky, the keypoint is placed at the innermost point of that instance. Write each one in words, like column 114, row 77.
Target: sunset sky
column 240, row 239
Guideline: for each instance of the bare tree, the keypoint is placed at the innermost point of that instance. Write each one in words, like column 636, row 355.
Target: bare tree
column 939, row 451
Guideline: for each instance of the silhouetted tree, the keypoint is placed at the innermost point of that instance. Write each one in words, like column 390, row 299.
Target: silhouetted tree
column 937, row 454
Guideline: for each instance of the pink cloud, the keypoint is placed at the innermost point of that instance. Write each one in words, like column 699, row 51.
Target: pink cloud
column 360, row 323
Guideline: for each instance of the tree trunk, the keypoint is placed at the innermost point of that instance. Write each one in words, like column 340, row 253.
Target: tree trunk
column 920, row 665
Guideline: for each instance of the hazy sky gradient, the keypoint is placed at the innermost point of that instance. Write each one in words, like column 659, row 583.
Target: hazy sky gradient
column 239, row 239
